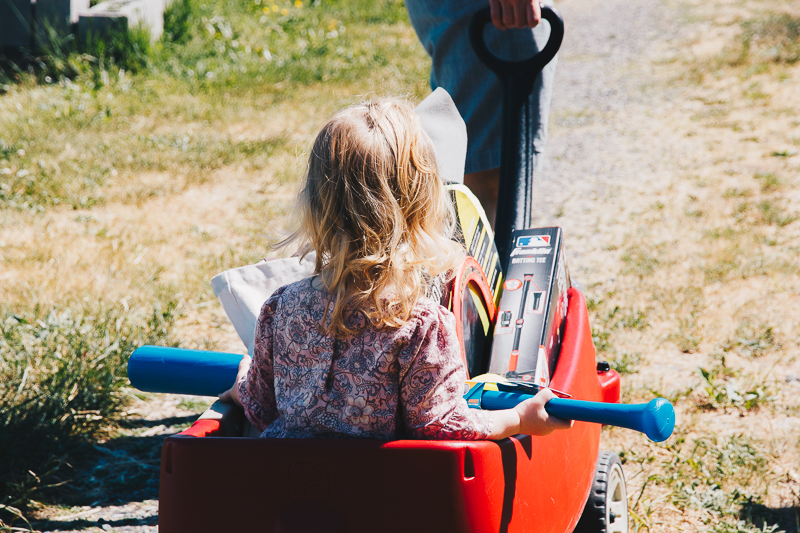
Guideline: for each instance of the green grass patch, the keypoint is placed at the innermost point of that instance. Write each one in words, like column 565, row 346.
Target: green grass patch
column 723, row 390
column 87, row 147
column 771, row 213
column 693, row 212
column 61, row 371
column 607, row 320
column 774, row 37
column 641, row 261
column 734, row 192
column 687, row 336
column 725, row 232
column 89, row 113
column 752, row 339
column 720, row 476
column 738, row 261
column 725, row 478
column 194, row 405
column 769, row 182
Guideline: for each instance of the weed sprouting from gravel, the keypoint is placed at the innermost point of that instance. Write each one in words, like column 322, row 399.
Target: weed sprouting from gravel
column 723, row 389
column 771, row 213
column 641, row 261
column 687, row 337
column 774, row 37
column 769, row 181
column 752, row 339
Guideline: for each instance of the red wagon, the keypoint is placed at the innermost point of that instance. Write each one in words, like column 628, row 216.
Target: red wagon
column 214, row 477
column 214, row 480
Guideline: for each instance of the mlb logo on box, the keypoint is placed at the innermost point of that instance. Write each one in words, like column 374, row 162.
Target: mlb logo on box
column 530, row 241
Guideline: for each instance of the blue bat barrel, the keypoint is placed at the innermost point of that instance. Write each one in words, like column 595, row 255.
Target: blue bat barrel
column 181, row 371
column 656, row 419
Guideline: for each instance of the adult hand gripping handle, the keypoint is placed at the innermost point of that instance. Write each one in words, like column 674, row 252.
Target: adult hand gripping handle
column 519, row 114
column 532, row 66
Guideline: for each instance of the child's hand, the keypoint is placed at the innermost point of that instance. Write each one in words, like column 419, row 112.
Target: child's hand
column 528, row 417
column 535, row 420
column 232, row 394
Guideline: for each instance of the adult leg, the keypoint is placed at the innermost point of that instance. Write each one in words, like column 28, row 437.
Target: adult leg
column 485, row 184
column 442, row 27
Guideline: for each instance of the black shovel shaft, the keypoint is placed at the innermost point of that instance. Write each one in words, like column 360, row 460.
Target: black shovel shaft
column 516, row 160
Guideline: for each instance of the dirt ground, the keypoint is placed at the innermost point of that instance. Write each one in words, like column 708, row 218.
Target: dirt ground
column 623, row 141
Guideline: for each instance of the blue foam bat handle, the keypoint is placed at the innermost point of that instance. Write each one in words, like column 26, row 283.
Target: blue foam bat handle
column 656, row 419
column 204, row 373
column 181, row 371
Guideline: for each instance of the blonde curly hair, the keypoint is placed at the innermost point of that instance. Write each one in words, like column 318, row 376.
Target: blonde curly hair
column 375, row 210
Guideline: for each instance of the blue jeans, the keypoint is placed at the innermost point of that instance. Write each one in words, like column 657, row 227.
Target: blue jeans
column 442, row 27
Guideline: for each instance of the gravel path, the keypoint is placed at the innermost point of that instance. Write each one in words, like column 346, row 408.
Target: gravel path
column 608, row 154
column 124, row 472
column 608, row 149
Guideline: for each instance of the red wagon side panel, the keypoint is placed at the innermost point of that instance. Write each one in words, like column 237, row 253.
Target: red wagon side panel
column 521, row 484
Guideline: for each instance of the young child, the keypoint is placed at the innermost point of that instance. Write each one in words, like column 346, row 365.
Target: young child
column 358, row 350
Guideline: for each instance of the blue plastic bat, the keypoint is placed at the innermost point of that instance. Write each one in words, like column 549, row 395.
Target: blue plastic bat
column 203, row 373
column 656, row 419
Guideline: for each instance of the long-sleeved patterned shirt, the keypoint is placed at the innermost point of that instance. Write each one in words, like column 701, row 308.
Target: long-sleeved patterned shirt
column 382, row 383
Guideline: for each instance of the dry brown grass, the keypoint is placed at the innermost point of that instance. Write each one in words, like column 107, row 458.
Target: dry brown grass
column 715, row 265
column 707, row 276
column 170, row 229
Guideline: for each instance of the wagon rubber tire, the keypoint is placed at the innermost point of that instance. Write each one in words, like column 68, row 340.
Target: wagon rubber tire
column 606, row 510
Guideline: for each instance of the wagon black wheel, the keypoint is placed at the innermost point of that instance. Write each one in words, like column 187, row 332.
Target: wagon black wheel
column 606, row 510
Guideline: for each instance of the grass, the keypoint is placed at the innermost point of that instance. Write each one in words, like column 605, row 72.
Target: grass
column 229, row 101
column 687, row 337
column 703, row 471
column 626, row 363
column 774, row 37
column 125, row 186
column 722, row 390
column 769, row 182
column 722, row 481
column 60, row 379
column 220, row 55
column 752, row 339
column 143, row 169
column 641, row 260
column 713, row 264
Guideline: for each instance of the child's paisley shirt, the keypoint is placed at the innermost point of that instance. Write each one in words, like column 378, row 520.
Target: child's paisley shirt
column 381, row 383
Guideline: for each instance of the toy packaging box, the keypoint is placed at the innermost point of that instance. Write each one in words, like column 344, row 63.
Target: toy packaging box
column 533, row 305
column 477, row 236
